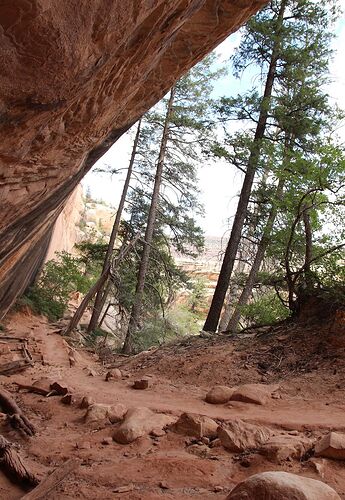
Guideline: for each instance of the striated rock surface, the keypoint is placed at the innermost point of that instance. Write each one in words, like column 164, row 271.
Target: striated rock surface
column 240, row 436
column 74, row 76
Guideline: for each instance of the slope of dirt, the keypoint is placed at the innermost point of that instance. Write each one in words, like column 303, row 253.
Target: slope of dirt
column 311, row 401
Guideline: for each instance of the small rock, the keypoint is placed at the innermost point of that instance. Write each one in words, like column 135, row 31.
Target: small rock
column 319, row 465
column 86, row 402
column 139, row 422
column 258, row 394
column 157, row 432
column 202, row 450
column 114, row 374
column 61, row 390
column 192, row 424
column 219, row 394
column 163, row 485
column 107, row 440
column 67, row 399
column 205, row 440
column 218, row 489
column 282, row 485
column 331, row 446
column 83, row 446
column 241, row 436
column 124, row 489
column 141, row 384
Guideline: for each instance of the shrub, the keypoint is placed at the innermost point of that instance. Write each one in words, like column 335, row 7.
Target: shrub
column 265, row 310
column 59, row 278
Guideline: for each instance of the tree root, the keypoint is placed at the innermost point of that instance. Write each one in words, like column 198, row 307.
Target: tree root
column 16, row 417
column 13, row 464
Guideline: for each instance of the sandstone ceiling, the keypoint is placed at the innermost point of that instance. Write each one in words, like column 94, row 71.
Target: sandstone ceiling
column 76, row 74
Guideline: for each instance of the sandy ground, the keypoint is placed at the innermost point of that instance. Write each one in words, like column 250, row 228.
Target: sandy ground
column 312, row 402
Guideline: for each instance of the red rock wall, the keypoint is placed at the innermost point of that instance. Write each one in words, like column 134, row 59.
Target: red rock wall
column 75, row 74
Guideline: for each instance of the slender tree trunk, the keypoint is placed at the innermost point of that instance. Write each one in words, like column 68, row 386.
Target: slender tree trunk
column 100, row 299
column 84, row 303
column 308, row 247
column 213, row 316
column 262, row 246
column 144, row 262
column 230, row 302
column 259, row 257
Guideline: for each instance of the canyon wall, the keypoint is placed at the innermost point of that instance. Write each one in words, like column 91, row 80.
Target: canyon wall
column 74, row 76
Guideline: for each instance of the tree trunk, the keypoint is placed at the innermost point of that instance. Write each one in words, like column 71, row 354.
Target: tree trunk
column 84, row 303
column 262, row 246
column 144, row 262
column 97, row 308
column 259, row 257
column 98, row 286
column 213, row 316
column 308, row 247
column 230, row 302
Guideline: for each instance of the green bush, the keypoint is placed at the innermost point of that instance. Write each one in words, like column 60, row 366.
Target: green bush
column 156, row 331
column 59, row 278
column 265, row 310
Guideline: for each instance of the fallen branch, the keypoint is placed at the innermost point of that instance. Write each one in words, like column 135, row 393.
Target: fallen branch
column 11, row 337
column 16, row 417
column 14, row 366
column 13, row 464
column 36, row 389
column 48, row 484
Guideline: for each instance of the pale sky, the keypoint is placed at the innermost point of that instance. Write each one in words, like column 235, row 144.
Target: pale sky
column 219, row 182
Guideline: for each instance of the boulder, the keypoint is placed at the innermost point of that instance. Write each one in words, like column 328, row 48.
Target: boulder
column 331, row 446
column 192, row 424
column 138, row 422
column 219, row 394
column 258, row 394
column 240, row 436
column 282, row 486
column 99, row 412
column 285, row 447
column 114, row 374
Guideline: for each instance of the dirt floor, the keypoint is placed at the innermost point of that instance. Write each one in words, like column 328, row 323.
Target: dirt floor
column 306, row 361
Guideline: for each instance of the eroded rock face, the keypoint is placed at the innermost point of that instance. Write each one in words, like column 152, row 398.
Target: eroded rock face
column 74, row 76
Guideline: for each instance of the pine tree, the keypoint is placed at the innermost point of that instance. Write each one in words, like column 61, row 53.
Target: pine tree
column 283, row 40
column 173, row 203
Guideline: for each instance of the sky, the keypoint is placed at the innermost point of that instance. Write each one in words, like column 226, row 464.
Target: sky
column 219, row 182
